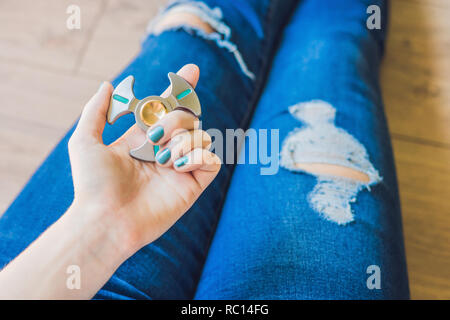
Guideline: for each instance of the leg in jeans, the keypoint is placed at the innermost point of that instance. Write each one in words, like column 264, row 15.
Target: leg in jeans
column 232, row 49
column 322, row 226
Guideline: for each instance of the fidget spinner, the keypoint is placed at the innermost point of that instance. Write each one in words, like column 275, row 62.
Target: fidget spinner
column 150, row 109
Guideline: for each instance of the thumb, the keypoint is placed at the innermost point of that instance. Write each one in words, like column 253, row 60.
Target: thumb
column 93, row 118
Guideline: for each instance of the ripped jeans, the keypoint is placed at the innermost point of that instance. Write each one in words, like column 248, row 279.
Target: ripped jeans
column 310, row 70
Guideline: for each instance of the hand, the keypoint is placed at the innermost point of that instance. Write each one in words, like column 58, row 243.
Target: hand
column 141, row 199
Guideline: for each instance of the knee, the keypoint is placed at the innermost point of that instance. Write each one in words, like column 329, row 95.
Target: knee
column 192, row 15
column 175, row 19
column 338, row 160
column 206, row 22
column 333, row 170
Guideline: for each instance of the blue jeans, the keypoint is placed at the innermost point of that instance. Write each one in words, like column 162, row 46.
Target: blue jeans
column 290, row 235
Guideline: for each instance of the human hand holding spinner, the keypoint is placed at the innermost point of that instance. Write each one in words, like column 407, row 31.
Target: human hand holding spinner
column 150, row 109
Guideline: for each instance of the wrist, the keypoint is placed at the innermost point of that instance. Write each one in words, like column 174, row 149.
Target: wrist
column 101, row 227
column 82, row 238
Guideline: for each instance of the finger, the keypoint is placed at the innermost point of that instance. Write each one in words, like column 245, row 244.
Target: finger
column 93, row 118
column 182, row 144
column 203, row 164
column 190, row 73
column 170, row 125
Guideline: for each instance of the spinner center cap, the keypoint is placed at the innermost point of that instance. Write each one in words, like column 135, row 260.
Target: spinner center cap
column 152, row 111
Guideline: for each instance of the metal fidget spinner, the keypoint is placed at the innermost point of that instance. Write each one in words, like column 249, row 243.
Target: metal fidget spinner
column 150, row 109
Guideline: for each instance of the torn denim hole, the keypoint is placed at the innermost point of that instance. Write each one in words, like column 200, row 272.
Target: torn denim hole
column 213, row 17
column 320, row 141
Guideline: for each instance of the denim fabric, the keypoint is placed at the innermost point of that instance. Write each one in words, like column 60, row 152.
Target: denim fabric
column 170, row 267
column 270, row 243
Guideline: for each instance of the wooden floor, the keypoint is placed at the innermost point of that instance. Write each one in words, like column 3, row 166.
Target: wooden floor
column 49, row 72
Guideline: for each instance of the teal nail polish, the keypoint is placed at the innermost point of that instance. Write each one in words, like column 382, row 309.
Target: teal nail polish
column 156, row 133
column 181, row 162
column 163, row 156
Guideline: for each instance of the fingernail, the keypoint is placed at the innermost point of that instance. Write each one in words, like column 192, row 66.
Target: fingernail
column 156, row 133
column 181, row 162
column 163, row 156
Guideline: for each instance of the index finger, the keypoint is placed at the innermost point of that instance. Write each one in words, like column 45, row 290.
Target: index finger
column 189, row 72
